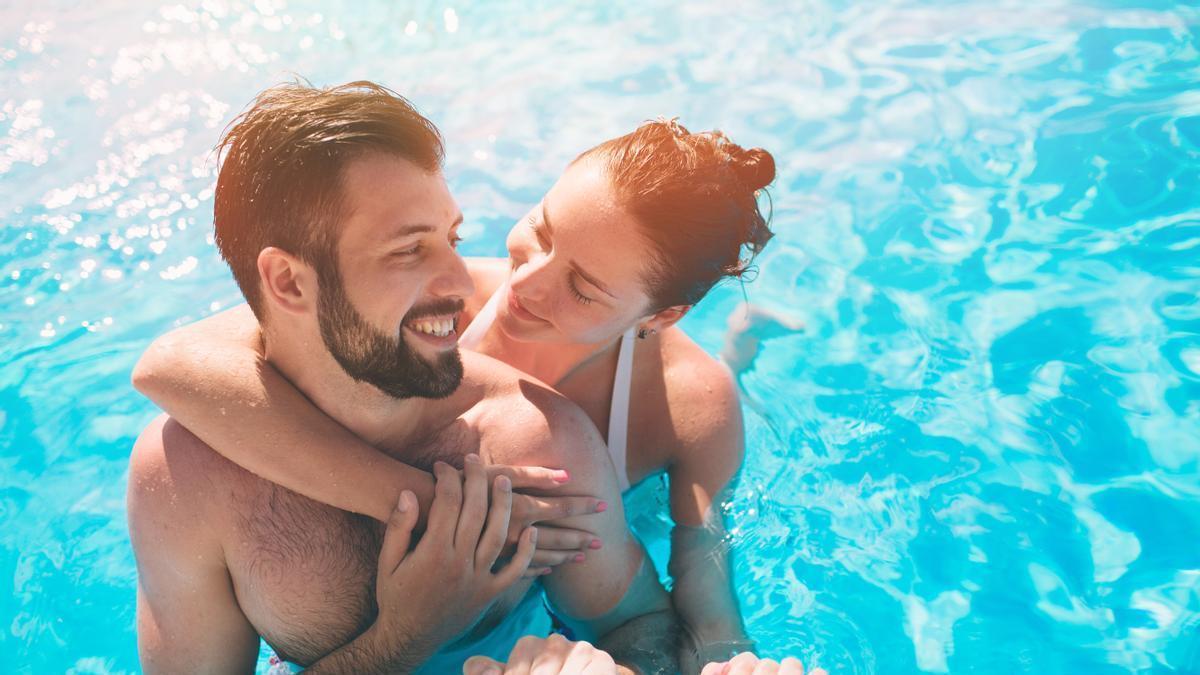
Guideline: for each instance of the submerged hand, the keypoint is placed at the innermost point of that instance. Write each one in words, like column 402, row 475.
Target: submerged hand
column 439, row 589
column 747, row 663
column 556, row 545
column 554, row 655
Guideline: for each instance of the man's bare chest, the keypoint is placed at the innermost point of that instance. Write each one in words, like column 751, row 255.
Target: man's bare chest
column 304, row 572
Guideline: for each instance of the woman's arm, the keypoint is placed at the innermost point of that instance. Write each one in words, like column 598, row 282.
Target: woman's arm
column 704, row 468
column 211, row 377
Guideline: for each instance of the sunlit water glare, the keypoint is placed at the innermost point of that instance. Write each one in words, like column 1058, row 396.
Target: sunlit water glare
column 979, row 455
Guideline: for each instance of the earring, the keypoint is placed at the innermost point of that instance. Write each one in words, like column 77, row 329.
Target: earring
column 644, row 332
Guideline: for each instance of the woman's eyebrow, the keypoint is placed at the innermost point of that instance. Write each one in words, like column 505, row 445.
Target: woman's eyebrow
column 572, row 264
column 590, row 279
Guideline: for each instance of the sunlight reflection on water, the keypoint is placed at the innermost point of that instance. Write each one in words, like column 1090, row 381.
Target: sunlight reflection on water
column 979, row 455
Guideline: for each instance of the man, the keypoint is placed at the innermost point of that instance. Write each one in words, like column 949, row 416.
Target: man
column 334, row 216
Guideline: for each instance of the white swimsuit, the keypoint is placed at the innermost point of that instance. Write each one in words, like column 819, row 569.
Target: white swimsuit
column 618, row 412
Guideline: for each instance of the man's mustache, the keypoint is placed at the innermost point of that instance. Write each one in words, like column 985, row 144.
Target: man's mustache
column 440, row 307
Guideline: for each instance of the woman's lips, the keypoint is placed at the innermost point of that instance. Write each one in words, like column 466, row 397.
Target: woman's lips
column 518, row 310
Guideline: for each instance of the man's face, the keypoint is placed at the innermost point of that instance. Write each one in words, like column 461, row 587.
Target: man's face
column 389, row 312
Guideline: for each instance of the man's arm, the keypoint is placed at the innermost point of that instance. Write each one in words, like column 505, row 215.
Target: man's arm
column 188, row 619
column 613, row 597
column 373, row 651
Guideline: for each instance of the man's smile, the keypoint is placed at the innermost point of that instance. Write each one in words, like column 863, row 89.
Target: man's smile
column 439, row 330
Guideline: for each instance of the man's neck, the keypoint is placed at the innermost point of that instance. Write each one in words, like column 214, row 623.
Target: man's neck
column 379, row 419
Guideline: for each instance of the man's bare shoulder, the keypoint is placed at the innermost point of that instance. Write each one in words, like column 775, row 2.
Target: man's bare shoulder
column 522, row 420
column 175, row 482
column 172, row 472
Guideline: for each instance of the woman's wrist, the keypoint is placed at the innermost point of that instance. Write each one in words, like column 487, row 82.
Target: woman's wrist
column 399, row 477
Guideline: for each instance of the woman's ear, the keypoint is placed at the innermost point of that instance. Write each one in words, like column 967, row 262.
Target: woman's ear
column 662, row 319
column 288, row 283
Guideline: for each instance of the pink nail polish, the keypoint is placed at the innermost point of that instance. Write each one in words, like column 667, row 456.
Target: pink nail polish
column 601, row 507
column 579, row 557
column 595, row 544
column 545, row 571
column 561, row 476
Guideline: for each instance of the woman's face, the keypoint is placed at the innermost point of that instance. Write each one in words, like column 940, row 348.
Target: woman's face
column 577, row 261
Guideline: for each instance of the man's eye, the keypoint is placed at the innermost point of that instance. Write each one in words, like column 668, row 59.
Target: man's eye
column 408, row 251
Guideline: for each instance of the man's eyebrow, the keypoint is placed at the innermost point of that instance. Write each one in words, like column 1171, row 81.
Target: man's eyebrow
column 420, row 228
column 407, row 230
column 572, row 264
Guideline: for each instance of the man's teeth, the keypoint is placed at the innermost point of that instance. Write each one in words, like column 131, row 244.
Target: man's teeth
column 440, row 328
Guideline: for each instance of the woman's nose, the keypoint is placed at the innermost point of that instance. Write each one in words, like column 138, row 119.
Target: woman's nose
column 527, row 275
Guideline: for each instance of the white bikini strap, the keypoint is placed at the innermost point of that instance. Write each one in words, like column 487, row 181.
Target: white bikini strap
column 473, row 335
column 618, row 413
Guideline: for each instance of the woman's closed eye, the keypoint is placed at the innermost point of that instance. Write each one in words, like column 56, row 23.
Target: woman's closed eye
column 583, row 299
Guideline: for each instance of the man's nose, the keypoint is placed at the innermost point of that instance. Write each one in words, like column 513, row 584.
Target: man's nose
column 453, row 279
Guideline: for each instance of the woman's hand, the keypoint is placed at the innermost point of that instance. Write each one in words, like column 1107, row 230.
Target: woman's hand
column 554, row 655
column 556, row 545
column 747, row 663
column 439, row 589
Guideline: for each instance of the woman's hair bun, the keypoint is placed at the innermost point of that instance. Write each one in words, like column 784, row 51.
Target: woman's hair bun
column 696, row 197
column 755, row 167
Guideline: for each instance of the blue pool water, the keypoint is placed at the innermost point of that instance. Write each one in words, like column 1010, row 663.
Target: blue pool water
column 981, row 453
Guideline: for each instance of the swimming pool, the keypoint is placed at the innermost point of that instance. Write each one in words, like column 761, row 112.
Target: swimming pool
column 980, row 455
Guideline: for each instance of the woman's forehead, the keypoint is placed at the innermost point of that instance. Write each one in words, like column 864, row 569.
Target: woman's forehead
column 595, row 235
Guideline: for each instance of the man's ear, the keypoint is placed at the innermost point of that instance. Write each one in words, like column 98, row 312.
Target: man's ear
column 663, row 319
column 288, row 283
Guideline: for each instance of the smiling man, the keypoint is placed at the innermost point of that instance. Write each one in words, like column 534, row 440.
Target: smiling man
column 334, row 216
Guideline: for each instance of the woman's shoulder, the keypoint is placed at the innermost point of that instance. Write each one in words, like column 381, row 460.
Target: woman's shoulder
column 687, row 365
column 698, row 387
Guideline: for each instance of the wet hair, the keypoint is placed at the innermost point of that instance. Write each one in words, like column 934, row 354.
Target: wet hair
column 695, row 196
column 281, row 171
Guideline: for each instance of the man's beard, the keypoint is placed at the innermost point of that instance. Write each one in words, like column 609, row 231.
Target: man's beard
column 385, row 361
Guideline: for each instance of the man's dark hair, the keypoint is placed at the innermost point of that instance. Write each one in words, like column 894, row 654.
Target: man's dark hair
column 280, row 182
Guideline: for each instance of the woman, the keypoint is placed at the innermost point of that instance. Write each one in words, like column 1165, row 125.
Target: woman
column 635, row 232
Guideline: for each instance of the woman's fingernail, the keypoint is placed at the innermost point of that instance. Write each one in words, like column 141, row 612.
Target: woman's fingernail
column 545, row 572
column 601, row 507
column 472, row 458
column 533, row 535
column 504, row 483
column 561, row 476
column 579, row 557
column 402, row 503
column 594, row 544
